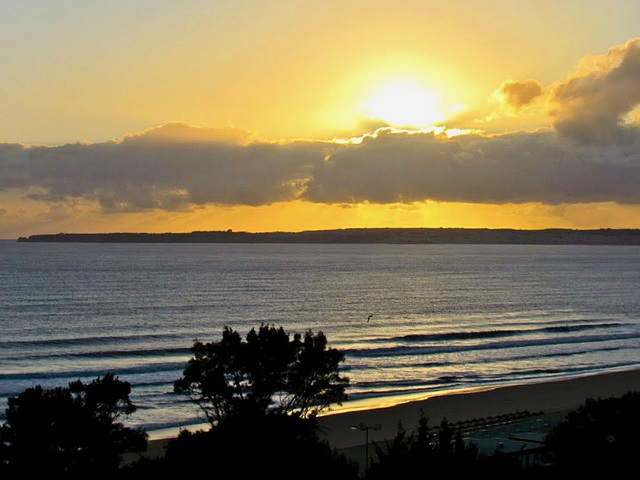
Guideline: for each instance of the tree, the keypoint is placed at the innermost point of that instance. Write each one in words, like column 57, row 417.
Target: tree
column 600, row 434
column 394, row 459
column 69, row 429
column 426, row 452
column 285, row 447
column 267, row 372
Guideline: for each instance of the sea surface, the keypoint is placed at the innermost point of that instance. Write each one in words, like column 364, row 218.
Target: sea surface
column 444, row 316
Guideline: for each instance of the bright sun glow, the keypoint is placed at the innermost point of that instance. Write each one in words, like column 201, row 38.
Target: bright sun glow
column 404, row 104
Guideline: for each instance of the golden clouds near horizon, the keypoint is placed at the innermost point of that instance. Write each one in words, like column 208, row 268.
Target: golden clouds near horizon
column 300, row 215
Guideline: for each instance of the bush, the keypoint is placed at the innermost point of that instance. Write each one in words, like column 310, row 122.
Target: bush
column 600, row 434
column 69, row 430
column 267, row 372
column 275, row 446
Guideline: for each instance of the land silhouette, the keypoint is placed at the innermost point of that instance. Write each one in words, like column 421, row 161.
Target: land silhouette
column 366, row 235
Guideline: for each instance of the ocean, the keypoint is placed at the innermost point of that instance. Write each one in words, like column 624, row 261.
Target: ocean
column 444, row 317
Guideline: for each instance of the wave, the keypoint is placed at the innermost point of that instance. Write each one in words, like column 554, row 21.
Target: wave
column 439, row 349
column 392, row 388
column 566, row 371
column 363, row 388
column 479, row 334
column 93, row 373
column 106, row 354
column 93, row 340
column 392, row 351
column 515, row 358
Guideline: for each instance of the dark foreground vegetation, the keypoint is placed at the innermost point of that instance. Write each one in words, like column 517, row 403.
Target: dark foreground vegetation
column 266, row 373
column 601, row 435
column 599, row 438
column 68, row 430
column 274, row 446
column 261, row 395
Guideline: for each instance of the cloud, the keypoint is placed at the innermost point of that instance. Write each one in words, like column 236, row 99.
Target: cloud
column 592, row 154
column 591, row 106
column 391, row 167
column 519, row 93
column 513, row 168
column 146, row 172
column 178, row 132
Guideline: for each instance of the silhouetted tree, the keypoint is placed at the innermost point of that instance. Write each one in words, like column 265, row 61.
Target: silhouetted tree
column 424, row 453
column 273, row 446
column 601, row 434
column 444, row 447
column 70, row 429
column 423, row 439
column 267, row 372
column 393, row 459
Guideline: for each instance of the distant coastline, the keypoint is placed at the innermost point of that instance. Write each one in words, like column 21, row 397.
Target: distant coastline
column 366, row 235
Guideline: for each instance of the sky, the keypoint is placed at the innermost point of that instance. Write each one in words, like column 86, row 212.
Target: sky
column 157, row 116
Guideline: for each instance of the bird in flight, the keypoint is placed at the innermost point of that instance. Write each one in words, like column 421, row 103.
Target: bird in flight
column 369, row 318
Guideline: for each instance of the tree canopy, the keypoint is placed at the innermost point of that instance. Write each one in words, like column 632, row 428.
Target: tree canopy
column 283, row 447
column 69, row 429
column 601, row 433
column 268, row 371
column 425, row 452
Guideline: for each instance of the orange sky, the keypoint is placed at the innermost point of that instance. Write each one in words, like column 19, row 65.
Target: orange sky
column 293, row 115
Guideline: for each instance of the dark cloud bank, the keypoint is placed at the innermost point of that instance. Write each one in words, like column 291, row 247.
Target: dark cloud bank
column 590, row 156
column 393, row 167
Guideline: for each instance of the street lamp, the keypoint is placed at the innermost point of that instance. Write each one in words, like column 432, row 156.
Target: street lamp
column 365, row 429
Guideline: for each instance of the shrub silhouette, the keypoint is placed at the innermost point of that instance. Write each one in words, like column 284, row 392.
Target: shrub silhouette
column 431, row 451
column 69, row 430
column 267, row 372
column 601, row 434
column 274, row 446
column 260, row 395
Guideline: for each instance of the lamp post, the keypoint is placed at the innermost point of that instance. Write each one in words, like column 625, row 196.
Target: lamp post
column 365, row 428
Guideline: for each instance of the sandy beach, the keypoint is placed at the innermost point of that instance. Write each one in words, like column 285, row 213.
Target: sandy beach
column 549, row 397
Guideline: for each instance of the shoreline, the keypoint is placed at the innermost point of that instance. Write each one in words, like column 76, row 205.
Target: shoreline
column 549, row 396
column 397, row 400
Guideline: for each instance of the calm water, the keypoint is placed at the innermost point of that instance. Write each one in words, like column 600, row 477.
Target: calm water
column 444, row 316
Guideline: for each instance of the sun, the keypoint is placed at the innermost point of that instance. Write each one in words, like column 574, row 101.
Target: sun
column 404, row 104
